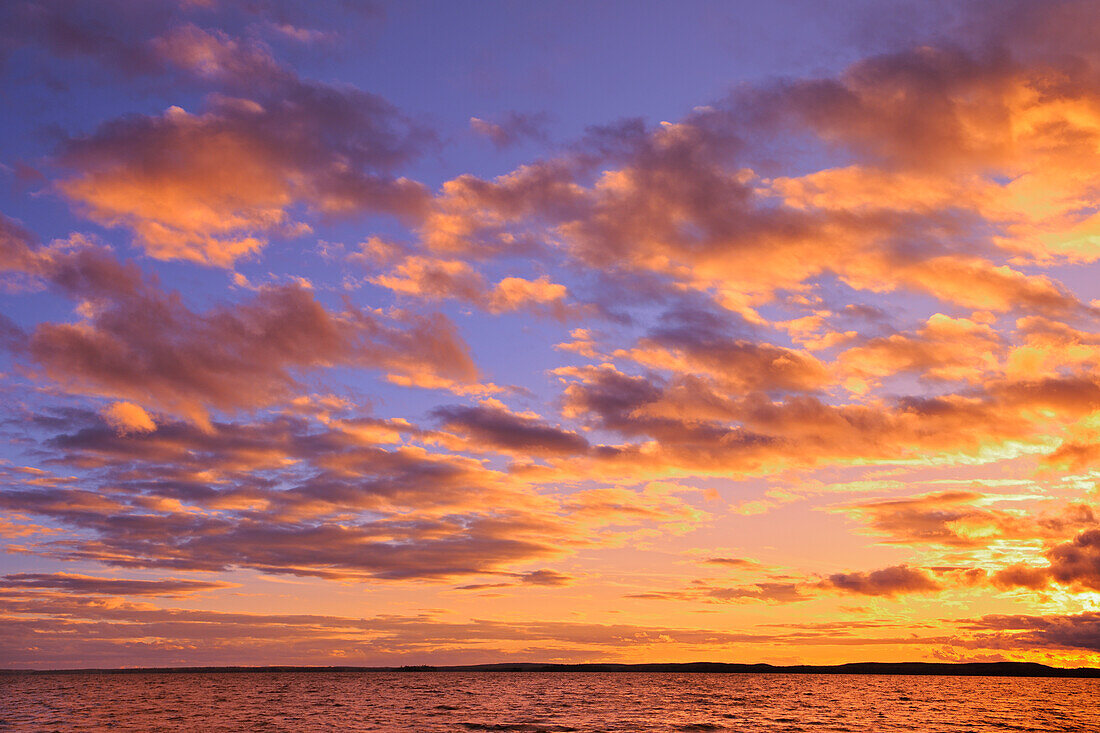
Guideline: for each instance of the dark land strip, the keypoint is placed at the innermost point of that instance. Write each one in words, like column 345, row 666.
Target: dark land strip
column 971, row 669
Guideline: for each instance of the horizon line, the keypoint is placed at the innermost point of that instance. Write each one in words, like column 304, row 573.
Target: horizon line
column 976, row 669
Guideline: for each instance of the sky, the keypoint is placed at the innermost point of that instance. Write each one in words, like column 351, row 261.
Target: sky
column 458, row 332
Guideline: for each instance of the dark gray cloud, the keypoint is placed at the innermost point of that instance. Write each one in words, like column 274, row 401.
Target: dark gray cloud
column 1021, row 631
column 143, row 343
column 499, row 429
column 90, row 585
column 892, row 581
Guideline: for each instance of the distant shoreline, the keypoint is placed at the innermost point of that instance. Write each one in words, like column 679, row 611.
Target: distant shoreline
column 964, row 669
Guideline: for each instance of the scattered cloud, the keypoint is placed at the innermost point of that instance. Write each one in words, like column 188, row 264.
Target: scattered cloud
column 891, row 581
column 512, row 129
column 722, row 330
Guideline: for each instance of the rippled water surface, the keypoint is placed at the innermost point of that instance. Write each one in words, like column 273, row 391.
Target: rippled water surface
column 539, row 701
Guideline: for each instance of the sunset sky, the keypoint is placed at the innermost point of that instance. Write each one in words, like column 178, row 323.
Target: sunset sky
column 460, row 332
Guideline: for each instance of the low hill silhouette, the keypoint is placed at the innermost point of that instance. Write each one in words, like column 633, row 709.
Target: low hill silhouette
column 968, row 669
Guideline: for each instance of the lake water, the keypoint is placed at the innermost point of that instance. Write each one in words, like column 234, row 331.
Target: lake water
column 541, row 701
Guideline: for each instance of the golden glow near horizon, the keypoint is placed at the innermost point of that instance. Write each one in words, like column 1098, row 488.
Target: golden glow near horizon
column 298, row 372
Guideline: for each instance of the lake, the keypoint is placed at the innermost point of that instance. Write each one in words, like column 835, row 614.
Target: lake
column 542, row 701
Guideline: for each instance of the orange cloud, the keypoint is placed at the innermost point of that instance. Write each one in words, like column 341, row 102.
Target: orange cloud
column 1075, row 563
column 958, row 519
column 434, row 279
column 213, row 187
column 944, row 348
column 126, row 417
